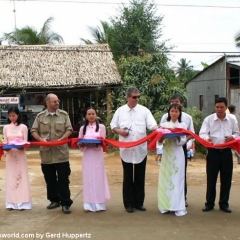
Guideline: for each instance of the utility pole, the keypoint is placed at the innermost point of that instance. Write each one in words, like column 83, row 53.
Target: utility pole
column 14, row 12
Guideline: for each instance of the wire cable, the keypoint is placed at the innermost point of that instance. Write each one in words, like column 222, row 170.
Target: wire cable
column 120, row 3
column 9, row 48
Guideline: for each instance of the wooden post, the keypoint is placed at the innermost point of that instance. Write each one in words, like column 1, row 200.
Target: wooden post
column 96, row 99
column 109, row 101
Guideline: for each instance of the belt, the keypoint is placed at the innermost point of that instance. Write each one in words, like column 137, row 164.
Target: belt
column 220, row 149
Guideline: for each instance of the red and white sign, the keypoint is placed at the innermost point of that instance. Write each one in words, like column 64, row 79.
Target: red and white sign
column 9, row 100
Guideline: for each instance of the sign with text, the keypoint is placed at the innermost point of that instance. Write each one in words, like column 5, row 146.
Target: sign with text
column 9, row 100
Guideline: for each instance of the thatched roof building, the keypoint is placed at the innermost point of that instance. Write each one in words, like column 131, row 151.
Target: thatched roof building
column 77, row 74
column 52, row 66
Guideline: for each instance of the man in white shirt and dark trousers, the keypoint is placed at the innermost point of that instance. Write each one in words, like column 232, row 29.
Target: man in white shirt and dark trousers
column 187, row 119
column 217, row 128
column 130, row 122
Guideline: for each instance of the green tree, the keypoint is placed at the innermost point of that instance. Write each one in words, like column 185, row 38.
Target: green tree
column 237, row 39
column 99, row 34
column 151, row 74
column 205, row 65
column 137, row 27
column 133, row 36
column 30, row 36
column 184, row 70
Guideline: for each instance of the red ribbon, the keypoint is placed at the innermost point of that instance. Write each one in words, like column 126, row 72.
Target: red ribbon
column 156, row 136
column 152, row 138
column 234, row 144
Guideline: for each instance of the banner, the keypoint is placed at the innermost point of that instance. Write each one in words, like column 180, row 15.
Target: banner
column 151, row 138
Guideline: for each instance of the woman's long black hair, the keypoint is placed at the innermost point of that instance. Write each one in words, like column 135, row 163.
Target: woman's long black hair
column 176, row 106
column 14, row 110
column 87, row 122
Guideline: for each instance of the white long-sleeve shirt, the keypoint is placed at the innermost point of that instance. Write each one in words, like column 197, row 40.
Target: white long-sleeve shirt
column 215, row 129
column 137, row 120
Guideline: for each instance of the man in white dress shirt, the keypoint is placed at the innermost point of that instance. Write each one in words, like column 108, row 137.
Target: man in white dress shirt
column 130, row 122
column 187, row 119
column 219, row 127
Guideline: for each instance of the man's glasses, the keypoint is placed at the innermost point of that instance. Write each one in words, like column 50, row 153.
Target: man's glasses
column 55, row 101
column 135, row 97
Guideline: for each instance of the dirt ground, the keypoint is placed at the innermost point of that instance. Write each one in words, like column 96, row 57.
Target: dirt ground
column 196, row 171
column 115, row 223
column 196, row 175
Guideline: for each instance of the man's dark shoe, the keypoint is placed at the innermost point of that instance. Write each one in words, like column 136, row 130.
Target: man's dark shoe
column 140, row 208
column 53, row 205
column 186, row 204
column 130, row 209
column 226, row 210
column 207, row 209
column 66, row 209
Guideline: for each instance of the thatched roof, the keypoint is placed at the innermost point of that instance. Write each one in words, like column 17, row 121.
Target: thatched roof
column 47, row 66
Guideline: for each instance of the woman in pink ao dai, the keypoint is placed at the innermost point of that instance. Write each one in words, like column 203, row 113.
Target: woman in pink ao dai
column 18, row 194
column 95, row 184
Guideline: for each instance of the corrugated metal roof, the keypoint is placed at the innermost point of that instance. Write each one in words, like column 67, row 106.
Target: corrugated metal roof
column 233, row 59
column 230, row 59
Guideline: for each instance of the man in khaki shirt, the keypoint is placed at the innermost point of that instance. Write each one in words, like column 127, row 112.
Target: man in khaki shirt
column 50, row 125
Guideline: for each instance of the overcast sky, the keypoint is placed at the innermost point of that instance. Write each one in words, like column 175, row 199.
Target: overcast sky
column 210, row 28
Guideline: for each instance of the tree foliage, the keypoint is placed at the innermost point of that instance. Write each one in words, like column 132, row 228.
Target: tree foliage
column 237, row 39
column 136, row 27
column 151, row 74
column 184, row 70
column 198, row 118
column 205, row 65
column 133, row 36
column 30, row 36
column 99, row 34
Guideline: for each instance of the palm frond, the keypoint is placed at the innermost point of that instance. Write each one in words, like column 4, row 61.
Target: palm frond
column 237, row 39
column 30, row 36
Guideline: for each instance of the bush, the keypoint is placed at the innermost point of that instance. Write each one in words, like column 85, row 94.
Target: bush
column 198, row 118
